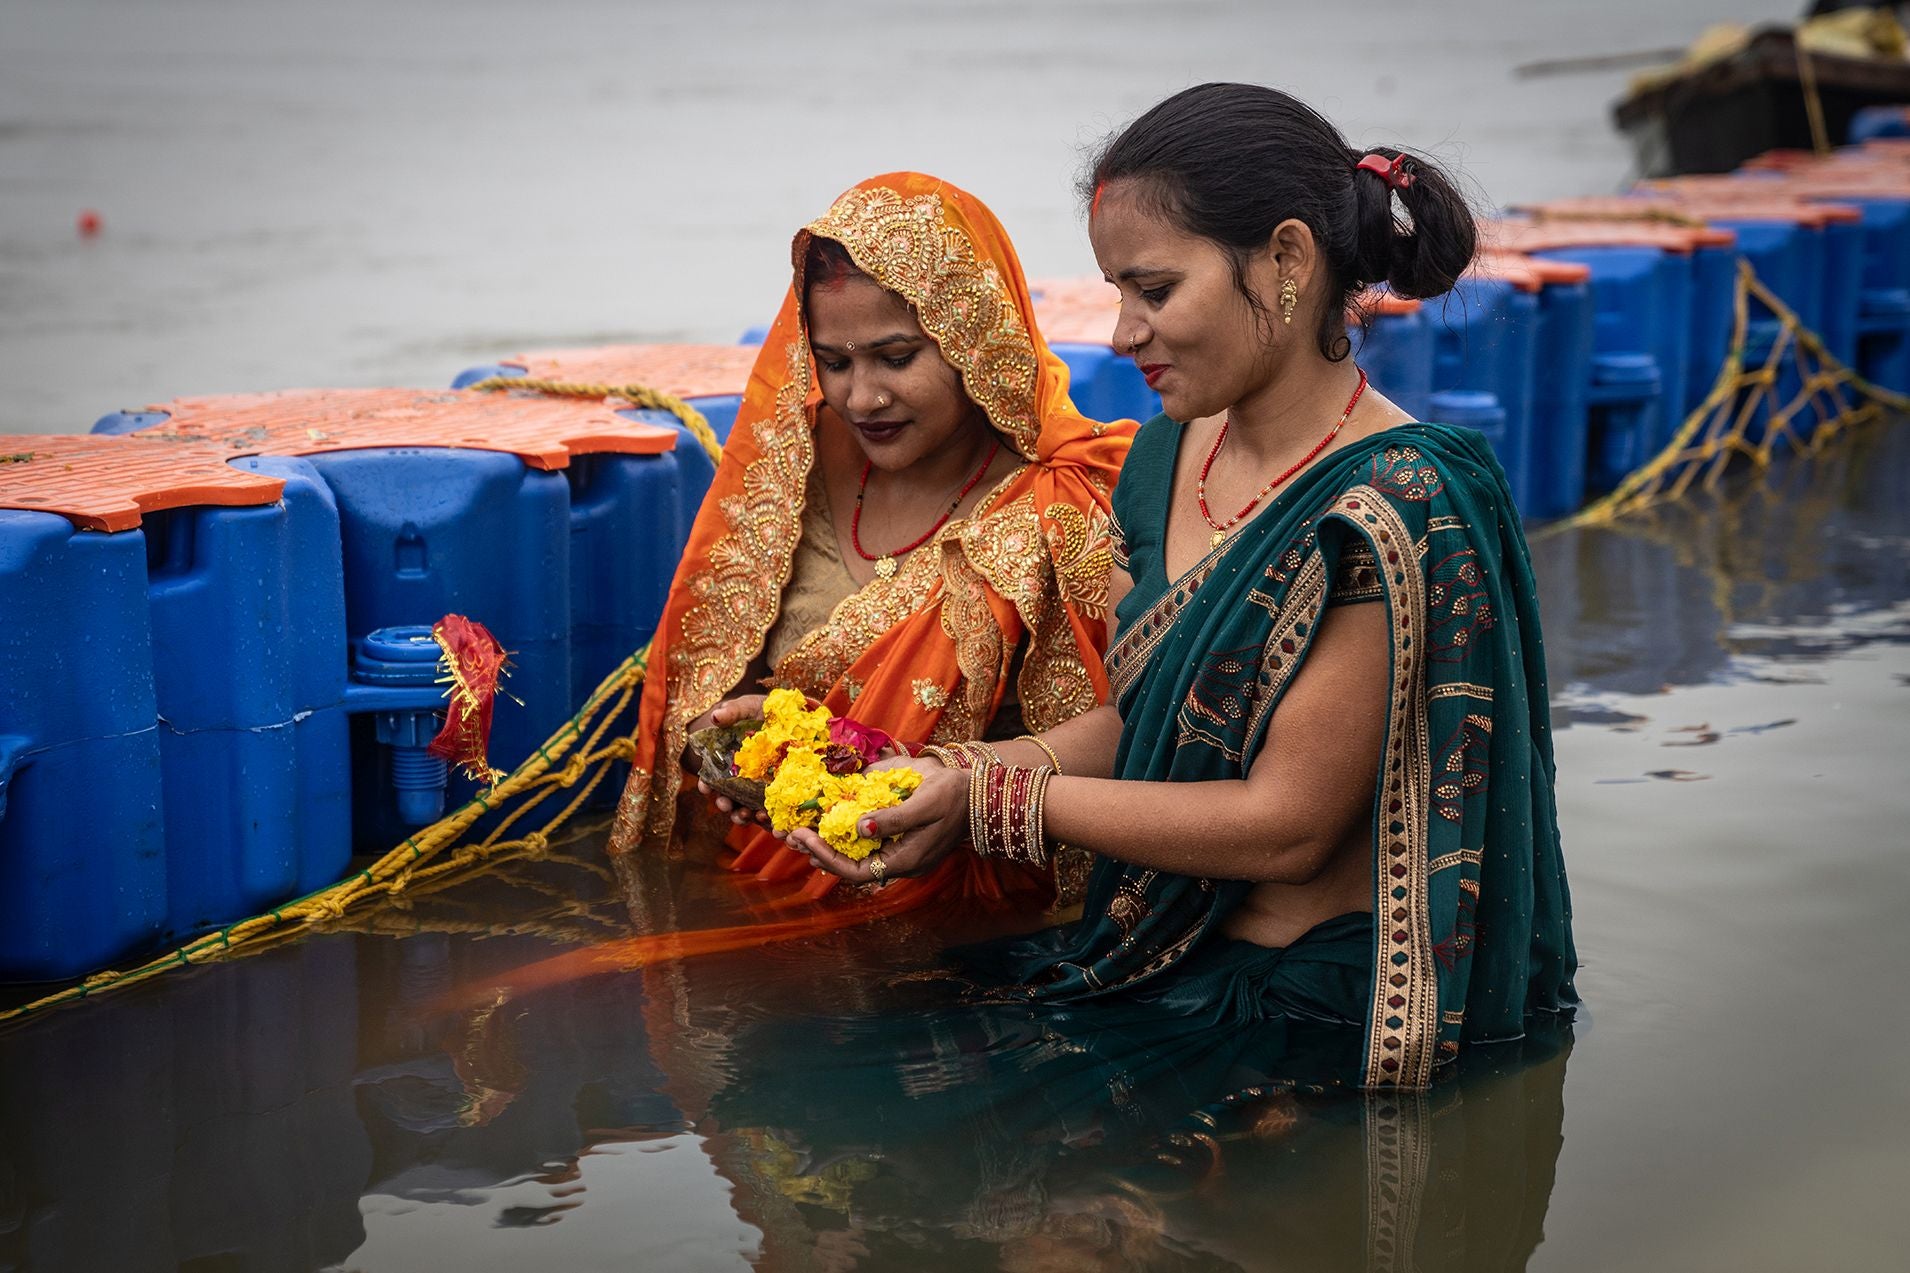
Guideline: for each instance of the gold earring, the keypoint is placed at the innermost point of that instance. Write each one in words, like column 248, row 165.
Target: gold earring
column 1289, row 297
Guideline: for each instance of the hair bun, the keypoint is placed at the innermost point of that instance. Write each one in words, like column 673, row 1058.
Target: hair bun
column 1230, row 162
column 1394, row 169
column 1423, row 253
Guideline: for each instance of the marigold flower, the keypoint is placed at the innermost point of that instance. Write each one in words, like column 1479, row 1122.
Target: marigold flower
column 857, row 795
column 788, row 722
column 814, row 770
column 800, row 791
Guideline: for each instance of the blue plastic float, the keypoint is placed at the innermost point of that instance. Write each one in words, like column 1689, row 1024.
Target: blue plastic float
column 206, row 709
column 1394, row 344
column 82, row 821
column 206, row 702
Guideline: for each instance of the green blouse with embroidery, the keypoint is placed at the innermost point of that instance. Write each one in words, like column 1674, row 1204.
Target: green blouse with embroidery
column 1142, row 504
column 1473, row 918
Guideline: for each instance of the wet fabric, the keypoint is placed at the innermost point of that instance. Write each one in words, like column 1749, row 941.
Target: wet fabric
column 1018, row 589
column 1237, row 1015
column 1011, row 1121
column 1473, row 916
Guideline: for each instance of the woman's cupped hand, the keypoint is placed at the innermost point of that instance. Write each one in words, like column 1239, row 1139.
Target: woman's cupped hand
column 728, row 712
column 929, row 825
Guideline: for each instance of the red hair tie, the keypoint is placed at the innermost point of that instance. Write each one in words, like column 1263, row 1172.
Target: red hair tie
column 1391, row 171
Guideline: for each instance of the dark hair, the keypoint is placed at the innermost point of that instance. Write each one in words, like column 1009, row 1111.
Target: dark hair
column 827, row 262
column 1229, row 162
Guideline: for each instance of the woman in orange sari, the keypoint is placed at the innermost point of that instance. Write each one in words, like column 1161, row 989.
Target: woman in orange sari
column 905, row 409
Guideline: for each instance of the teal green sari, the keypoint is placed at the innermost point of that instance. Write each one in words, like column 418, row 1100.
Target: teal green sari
column 1471, row 924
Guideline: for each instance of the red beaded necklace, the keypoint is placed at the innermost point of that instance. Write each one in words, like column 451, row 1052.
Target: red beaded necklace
column 885, row 564
column 1200, row 487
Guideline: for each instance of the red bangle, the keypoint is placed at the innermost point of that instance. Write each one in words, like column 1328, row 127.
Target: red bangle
column 1005, row 812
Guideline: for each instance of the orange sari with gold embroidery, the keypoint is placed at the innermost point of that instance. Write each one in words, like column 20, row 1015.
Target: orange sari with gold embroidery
column 925, row 655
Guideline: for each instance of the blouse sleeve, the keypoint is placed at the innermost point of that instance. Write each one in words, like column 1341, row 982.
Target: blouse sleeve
column 1117, row 539
column 1356, row 578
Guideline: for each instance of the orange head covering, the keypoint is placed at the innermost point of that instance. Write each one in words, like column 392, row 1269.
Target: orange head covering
column 926, row 654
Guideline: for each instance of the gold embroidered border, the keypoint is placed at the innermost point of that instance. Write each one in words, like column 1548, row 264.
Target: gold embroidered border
column 1142, row 637
column 1459, row 689
column 1280, row 657
column 1081, row 546
column 1398, row 1127
column 1450, row 860
column 982, row 650
column 1117, row 541
column 964, row 304
column 1055, row 682
column 1403, row 1031
column 1356, row 579
column 1165, row 958
column 736, row 599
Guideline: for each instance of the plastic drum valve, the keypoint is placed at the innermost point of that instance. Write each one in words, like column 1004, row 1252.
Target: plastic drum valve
column 1625, row 400
column 405, row 659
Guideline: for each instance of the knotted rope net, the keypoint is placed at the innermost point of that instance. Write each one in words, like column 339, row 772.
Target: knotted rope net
column 1798, row 399
column 1747, row 420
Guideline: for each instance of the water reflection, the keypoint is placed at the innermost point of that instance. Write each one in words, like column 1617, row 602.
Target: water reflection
column 312, row 1106
column 1771, row 566
column 370, row 1100
column 210, row 1125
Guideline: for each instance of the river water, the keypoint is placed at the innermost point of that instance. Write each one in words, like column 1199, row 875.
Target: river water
column 1731, row 685
column 384, row 192
column 358, row 194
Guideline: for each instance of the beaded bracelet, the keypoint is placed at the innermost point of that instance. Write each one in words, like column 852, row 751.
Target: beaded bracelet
column 1005, row 812
column 1053, row 760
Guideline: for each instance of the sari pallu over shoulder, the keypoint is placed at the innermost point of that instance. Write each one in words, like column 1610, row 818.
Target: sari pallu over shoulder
column 927, row 654
column 1471, row 912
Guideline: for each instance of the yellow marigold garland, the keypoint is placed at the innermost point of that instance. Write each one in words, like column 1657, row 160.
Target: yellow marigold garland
column 789, row 751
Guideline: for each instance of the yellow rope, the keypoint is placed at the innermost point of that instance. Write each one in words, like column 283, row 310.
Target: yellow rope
column 1719, row 430
column 423, row 857
column 636, row 395
column 578, row 757
column 426, row 857
column 1813, row 104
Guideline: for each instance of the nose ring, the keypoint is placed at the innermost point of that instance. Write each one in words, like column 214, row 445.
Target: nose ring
column 883, row 400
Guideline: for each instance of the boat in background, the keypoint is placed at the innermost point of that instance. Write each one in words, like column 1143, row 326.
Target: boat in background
column 1739, row 92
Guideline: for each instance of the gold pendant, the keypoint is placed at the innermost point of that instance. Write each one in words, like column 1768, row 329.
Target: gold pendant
column 885, row 568
column 1218, row 536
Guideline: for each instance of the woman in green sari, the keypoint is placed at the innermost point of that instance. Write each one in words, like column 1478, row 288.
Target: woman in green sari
column 1328, row 640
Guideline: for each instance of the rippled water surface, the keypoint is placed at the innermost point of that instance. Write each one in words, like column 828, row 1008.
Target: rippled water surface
column 382, row 194
column 1732, row 680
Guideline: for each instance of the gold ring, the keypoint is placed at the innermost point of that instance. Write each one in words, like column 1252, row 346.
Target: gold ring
column 877, row 867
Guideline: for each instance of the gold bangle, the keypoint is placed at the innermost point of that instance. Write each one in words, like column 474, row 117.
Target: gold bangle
column 978, row 752
column 1054, row 761
column 948, row 757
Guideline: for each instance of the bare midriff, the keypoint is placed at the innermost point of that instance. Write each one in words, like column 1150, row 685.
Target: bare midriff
column 1280, row 914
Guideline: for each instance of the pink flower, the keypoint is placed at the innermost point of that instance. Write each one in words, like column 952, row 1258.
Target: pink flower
column 865, row 740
